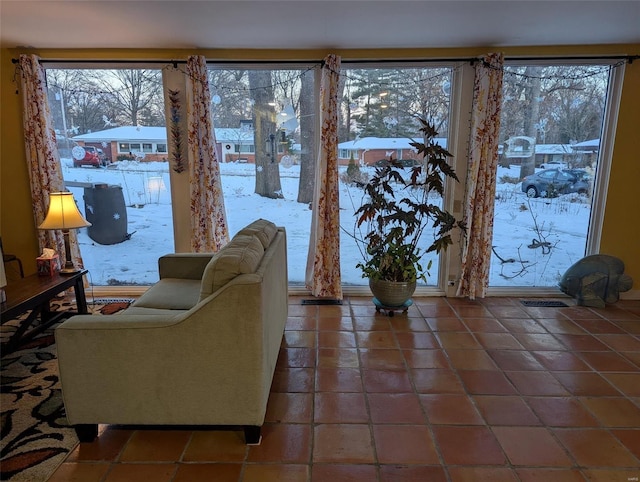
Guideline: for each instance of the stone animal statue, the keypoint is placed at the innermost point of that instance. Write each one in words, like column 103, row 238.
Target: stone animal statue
column 596, row 280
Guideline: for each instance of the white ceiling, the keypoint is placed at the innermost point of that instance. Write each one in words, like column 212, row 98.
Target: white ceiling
column 315, row 24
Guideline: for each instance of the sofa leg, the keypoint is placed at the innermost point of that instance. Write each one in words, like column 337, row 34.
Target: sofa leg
column 86, row 432
column 252, row 434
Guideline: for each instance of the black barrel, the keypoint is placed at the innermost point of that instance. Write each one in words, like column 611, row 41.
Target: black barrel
column 105, row 209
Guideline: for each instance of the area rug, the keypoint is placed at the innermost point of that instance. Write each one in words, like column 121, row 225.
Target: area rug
column 35, row 436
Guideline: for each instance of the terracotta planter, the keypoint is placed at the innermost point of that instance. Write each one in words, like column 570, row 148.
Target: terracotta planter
column 392, row 293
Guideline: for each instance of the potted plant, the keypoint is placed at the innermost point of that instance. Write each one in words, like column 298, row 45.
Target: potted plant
column 400, row 204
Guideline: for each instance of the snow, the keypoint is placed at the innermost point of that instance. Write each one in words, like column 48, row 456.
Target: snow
column 562, row 222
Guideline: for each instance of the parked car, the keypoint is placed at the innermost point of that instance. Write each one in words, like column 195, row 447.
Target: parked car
column 552, row 182
column 91, row 157
column 553, row 165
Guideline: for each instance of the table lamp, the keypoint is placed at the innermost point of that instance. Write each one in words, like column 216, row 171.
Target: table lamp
column 63, row 214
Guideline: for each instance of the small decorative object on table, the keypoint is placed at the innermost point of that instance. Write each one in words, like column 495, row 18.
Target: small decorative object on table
column 47, row 263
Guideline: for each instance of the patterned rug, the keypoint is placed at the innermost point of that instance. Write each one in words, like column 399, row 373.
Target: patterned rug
column 35, row 436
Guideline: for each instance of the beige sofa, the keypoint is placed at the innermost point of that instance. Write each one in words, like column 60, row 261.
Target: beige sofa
column 198, row 348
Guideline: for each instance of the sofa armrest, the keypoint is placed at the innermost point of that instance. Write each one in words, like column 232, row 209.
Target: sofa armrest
column 183, row 265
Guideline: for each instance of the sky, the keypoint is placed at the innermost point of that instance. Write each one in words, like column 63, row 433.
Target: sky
column 520, row 222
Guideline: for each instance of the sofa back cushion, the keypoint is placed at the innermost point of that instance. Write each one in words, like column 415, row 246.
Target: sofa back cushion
column 241, row 255
column 264, row 230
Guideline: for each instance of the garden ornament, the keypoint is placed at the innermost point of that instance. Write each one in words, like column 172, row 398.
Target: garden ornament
column 596, row 280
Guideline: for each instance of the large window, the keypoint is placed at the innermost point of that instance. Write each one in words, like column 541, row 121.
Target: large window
column 126, row 193
column 378, row 120
column 551, row 127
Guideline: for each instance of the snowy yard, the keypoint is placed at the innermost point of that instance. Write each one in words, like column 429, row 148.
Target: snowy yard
column 519, row 223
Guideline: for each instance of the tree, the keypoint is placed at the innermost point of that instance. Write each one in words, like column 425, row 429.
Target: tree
column 307, row 127
column 264, row 124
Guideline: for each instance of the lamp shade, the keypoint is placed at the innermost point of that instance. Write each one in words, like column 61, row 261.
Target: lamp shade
column 63, row 213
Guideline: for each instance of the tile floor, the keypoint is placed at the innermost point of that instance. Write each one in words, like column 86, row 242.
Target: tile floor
column 456, row 390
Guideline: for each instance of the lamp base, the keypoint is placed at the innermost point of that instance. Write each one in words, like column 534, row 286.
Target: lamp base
column 68, row 271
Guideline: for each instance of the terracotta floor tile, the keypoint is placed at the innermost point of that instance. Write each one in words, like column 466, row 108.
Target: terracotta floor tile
column 471, row 360
column 338, row 380
column 531, row 446
column 206, row 472
column 613, row 412
column 293, row 380
column 599, row 326
column 425, row 359
column 141, row 471
column 155, row 445
column 216, row 446
column 499, row 341
column 376, row 339
column 627, row 383
column 446, row 324
column 337, row 357
column 610, row 475
column 415, row 340
column 505, row 410
column 343, row 444
column 395, row 408
column 607, row 361
column 282, row 443
column 404, row 444
column 586, row 384
column 536, row 383
column 632, row 356
column 484, row 325
column 80, row 472
column 561, row 361
column 436, row 381
column 333, row 407
column 381, row 358
column 455, row 341
column 567, row 327
column 471, row 311
column 335, row 323
column 372, row 322
column 582, row 342
column 450, row 409
column 549, row 475
column 621, row 342
column 297, row 357
column 429, row 309
column 522, row 325
column 539, row 341
column 486, row 382
column 595, row 448
column 409, row 324
column 562, row 412
column 511, row 311
column 515, row 360
column 299, row 339
column 632, row 327
column 468, row 445
column 410, row 473
column 630, row 438
column 301, row 322
column 386, row 381
column 335, row 339
column 482, row 474
column 275, row 473
column 289, row 407
column 343, row 472
column 106, row 447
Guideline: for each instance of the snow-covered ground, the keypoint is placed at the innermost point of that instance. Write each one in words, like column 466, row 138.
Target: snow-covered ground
column 562, row 222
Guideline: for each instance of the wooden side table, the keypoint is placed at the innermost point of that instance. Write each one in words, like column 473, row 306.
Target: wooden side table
column 34, row 293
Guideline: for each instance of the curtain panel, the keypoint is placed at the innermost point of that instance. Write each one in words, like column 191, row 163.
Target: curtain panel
column 209, row 229
column 43, row 160
column 322, row 275
column 481, row 176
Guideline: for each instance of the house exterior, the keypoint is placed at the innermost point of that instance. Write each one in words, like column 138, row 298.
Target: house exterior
column 369, row 150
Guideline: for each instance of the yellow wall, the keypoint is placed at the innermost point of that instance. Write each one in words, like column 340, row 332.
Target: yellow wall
column 621, row 231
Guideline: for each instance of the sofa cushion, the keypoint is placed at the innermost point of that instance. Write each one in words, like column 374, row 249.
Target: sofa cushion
column 170, row 294
column 261, row 228
column 241, row 255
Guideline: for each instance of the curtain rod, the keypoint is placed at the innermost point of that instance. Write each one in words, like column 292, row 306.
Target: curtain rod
column 628, row 58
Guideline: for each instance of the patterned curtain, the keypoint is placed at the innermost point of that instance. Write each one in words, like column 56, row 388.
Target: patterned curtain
column 209, row 230
column 323, row 261
column 43, row 160
column 481, row 176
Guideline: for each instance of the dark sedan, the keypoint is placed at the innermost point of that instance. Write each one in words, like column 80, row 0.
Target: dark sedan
column 553, row 182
